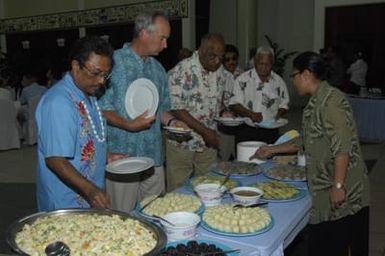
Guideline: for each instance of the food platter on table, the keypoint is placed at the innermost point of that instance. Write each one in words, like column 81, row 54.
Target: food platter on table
column 268, row 124
column 285, row 159
column 225, row 220
column 230, row 121
column 171, row 202
column 236, row 168
column 278, row 191
column 205, row 179
column 221, row 246
column 286, row 172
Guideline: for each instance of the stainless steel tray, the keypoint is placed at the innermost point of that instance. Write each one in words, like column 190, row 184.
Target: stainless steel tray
column 18, row 225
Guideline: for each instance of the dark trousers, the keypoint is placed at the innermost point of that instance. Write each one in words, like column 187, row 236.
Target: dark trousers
column 248, row 133
column 335, row 238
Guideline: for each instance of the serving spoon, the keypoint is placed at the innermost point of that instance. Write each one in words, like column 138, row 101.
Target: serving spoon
column 57, row 248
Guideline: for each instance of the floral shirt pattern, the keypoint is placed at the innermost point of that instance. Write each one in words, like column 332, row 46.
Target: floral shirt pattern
column 64, row 130
column 200, row 93
column 328, row 131
column 128, row 67
column 253, row 94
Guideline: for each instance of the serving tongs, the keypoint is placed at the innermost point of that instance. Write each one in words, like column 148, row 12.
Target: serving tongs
column 152, row 200
column 236, row 206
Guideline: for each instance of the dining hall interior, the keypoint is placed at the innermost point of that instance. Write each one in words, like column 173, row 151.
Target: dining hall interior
column 40, row 34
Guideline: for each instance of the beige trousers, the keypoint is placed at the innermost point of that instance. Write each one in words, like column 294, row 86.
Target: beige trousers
column 182, row 164
column 126, row 190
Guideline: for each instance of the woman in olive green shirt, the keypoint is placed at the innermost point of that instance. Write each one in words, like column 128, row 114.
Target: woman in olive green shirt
column 336, row 172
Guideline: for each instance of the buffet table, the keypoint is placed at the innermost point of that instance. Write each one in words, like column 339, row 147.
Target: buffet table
column 369, row 117
column 289, row 219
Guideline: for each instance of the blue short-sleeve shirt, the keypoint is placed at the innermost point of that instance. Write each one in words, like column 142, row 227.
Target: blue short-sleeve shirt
column 64, row 130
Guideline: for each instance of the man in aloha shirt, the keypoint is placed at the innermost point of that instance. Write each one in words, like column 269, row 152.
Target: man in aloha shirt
column 139, row 137
column 196, row 88
column 71, row 133
column 260, row 94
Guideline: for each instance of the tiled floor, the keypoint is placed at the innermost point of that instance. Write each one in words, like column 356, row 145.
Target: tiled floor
column 17, row 174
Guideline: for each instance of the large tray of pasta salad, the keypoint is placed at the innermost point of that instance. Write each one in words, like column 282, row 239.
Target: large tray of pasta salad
column 86, row 232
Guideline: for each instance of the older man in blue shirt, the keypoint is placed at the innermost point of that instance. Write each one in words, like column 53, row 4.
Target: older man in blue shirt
column 140, row 136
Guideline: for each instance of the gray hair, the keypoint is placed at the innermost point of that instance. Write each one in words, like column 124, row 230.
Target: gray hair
column 265, row 50
column 145, row 21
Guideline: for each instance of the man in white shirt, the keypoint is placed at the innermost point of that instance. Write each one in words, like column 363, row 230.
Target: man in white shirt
column 260, row 94
column 357, row 72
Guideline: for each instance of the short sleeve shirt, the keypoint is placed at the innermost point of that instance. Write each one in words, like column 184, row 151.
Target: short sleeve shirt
column 64, row 130
column 257, row 96
column 128, row 67
column 328, row 131
column 200, row 93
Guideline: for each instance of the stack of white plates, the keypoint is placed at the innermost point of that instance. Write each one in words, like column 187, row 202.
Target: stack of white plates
column 246, row 149
column 130, row 165
column 230, row 121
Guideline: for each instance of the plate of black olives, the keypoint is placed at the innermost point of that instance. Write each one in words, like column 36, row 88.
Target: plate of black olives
column 198, row 247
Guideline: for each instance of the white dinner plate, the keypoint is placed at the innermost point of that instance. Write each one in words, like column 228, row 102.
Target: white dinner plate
column 141, row 95
column 176, row 130
column 130, row 165
column 230, row 121
column 268, row 124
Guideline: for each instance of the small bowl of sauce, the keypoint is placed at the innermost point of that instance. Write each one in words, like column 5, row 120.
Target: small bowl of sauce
column 246, row 195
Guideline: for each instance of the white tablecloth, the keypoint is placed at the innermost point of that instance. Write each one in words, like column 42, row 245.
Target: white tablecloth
column 289, row 219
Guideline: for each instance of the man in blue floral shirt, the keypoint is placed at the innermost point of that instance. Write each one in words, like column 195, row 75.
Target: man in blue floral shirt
column 140, row 136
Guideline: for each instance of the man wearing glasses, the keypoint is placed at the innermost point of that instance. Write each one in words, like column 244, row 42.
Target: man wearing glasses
column 72, row 133
column 196, row 89
column 260, row 94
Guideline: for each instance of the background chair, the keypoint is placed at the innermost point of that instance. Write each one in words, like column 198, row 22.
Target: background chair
column 9, row 134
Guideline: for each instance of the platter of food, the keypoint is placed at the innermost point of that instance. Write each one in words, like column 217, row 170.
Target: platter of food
column 86, row 232
column 184, row 247
column 205, row 179
column 171, row 202
column 286, row 172
column 277, row 191
column 236, row 168
column 285, row 159
column 177, row 130
column 224, row 219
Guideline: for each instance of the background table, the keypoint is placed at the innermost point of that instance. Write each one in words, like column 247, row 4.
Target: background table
column 369, row 115
column 289, row 219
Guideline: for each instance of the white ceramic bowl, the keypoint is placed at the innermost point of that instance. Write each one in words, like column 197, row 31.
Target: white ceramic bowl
column 246, row 149
column 185, row 225
column 246, row 195
column 210, row 193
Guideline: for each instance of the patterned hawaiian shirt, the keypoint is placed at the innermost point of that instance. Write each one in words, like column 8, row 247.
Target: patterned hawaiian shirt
column 200, row 93
column 128, row 67
column 65, row 130
column 328, row 131
column 257, row 96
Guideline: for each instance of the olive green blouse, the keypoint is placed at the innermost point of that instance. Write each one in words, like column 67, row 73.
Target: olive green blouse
column 328, row 131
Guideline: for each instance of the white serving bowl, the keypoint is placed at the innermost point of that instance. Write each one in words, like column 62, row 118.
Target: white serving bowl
column 246, row 195
column 185, row 225
column 210, row 193
column 246, row 149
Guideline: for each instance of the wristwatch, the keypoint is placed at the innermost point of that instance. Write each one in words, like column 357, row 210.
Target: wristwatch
column 339, row 185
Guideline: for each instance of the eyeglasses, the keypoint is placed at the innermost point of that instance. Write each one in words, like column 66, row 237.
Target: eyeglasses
column 105, row 76
column 294, row 74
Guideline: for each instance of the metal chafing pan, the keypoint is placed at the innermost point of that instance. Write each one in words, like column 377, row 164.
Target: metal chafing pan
column 18, row 226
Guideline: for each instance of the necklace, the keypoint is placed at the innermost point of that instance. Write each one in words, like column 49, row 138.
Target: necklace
column 101, row 138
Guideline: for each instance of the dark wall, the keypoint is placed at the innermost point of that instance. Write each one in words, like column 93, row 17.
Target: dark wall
column 360, row 27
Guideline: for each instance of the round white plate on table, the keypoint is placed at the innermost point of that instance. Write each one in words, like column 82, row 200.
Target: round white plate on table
column 141, row 95
column 220, row 232
column 268, row 124
column 130, row 165
column 230, row 121
column 176, row 130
